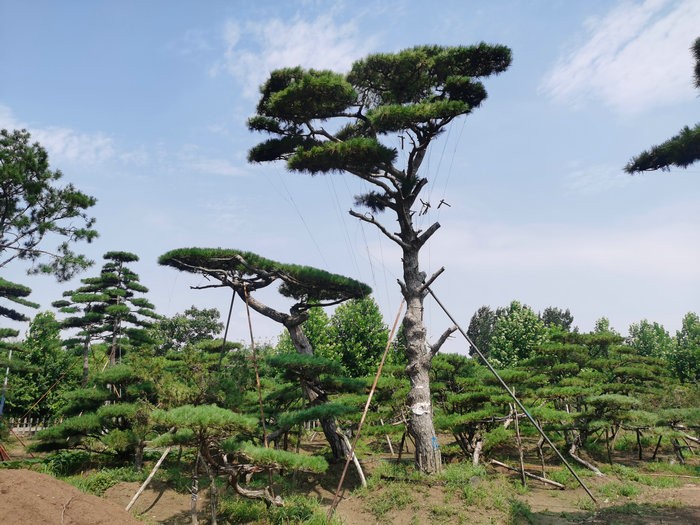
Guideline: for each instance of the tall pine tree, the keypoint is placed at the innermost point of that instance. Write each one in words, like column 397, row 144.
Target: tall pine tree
column 324, row 122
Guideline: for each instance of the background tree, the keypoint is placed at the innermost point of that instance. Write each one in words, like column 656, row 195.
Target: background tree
column 190, row 327
column 317, row 330
column 47, row 370
column 111, row 307
column 359, row 335
column 650, row 339
column 480, row 330
column 247, row 272
column 685, row 358
column 85, row 319
column 602, row 326
column 682, row 150
column 517, row 333
column 324, row 122
column 553, row 316
column 34, row 208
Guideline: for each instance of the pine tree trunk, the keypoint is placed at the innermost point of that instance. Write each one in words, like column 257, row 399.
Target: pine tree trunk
column 86, row 361
column 138, row 455
column 338, row 447
column 427, row 457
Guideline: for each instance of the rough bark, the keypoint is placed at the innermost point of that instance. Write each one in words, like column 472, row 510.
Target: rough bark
column 420, row 426
column 86, row 361
column 476, row 454
column 194, row 490
column 138, row 455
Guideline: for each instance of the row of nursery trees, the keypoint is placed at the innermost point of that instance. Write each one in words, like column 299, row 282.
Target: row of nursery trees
column 243, row 412
column 319, row 122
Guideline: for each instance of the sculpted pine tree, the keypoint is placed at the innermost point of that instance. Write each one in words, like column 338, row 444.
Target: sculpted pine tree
column 323, row 122
column 247, row 272
column 108, row 308
column 15, row 293
column 682, row 150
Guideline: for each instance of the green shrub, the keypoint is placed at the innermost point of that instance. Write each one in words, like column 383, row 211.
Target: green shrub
column 241, row 510
column 66, row 462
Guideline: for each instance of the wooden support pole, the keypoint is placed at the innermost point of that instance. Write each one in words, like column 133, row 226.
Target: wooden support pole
column 148, row 479
column 512, row 395
column 530, row 475
column 336, row 497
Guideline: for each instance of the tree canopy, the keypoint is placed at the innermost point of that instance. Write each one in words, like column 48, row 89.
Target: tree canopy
column 681, row 150
column 33, row 209
column 237, row 268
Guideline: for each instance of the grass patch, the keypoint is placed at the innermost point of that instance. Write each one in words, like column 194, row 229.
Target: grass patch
column 241, row 510
column 520, row 513
column 98, row 482
column 395, row 496
column 442, row 512
column 458, row 474
column 616, row 489
column 299, row 509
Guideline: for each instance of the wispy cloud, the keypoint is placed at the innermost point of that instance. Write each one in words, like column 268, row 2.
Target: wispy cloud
column 64, row 144
column 634, row 58
column 253, row 49
column 657, row 245
column 595, row 179
column 192, row 158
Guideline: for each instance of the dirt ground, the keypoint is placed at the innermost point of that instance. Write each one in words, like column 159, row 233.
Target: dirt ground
column 28, row 497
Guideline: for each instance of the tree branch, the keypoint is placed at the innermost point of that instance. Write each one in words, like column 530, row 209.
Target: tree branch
column 370, row 219
column 423, row 237
column 263, row 309
column 435, row 348
column 431, row 280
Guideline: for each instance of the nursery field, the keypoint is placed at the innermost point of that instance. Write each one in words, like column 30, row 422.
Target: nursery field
column 630, row 492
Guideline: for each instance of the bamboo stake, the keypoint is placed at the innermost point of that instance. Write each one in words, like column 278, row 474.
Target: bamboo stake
column 255, row 365
column 388, row 440
column 523, row 474
column 512, row 395
column 148, row 479
column 336, row 497
column 228, row 322
column 530, row 475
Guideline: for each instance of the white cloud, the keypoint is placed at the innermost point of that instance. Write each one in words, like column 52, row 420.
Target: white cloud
column 634, row 58
column 254, row 49
column 64, row 144
column 646, row 247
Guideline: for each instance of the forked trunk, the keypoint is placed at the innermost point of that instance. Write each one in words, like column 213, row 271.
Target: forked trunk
column 427, row 457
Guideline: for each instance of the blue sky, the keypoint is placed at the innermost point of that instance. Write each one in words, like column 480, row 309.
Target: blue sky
column 143, row 105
